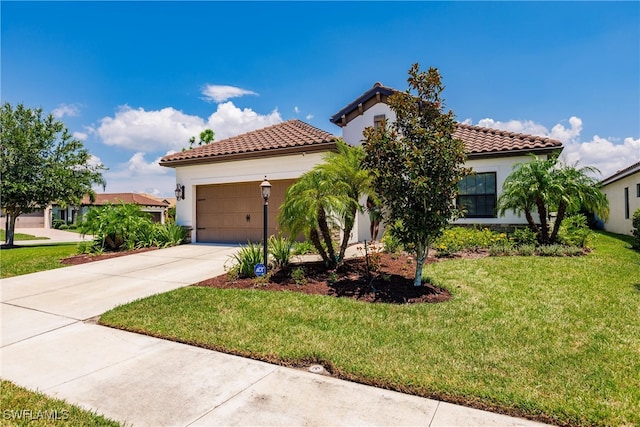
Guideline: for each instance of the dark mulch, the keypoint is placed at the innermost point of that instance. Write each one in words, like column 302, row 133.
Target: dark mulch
column 84, row 258
column 391, row 282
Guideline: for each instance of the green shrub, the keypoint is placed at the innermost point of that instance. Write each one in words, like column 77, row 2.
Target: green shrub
column 244, row 261
column 63, row 227
column 503, row 248
column 280, row 250
column 456, row 239
column 635, row 221
column 526, row 250
column 574, row 231
column 391, row 242
column 115, row 227
column 303, row 248
column 56, row 223
column 299, row 276
column 524, row 236
column 168, row 234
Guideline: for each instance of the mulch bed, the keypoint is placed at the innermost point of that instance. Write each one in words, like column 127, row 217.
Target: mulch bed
column 391, row 282
column 389, row 278
column 84, row 258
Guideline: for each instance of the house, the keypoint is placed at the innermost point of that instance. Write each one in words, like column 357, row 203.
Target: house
column 157, row 208
column 221, row 197
column 623, row 192
column 491, row 153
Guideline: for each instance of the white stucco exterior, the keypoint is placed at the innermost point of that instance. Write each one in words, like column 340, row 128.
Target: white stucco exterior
column 251, row 170
column 615, row 192
column 352, row 133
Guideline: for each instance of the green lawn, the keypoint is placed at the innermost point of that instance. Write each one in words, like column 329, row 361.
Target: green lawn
column 21, row 407
column 556, row 339
column 30, row 259
column 21, row 236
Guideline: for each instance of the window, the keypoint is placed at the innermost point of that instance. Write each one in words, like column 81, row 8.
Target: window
column 477, row 195
column 626, row 202
column 377, row 121
column 638, row 190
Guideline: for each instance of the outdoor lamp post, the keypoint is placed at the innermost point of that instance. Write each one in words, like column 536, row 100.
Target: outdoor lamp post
column 265, row 188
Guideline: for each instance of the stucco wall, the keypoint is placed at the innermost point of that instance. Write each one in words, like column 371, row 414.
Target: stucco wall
column 615, row 193
column 252, row 170
column 352, row 133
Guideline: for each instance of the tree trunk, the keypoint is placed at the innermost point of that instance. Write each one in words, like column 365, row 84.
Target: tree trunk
column 326, row 234
column 421, row 255
column 562, row 209
column 315, row 239
column 345, row 239
column 11, row 230
column 530, row 221
column 543, row 233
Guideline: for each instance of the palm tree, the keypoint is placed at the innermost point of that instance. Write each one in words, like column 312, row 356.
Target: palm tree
column 307, row 209
column 546, row 186
column 349, row 182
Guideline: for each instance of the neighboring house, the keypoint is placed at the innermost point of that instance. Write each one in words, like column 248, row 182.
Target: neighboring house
column 491, row 153
column 156, row 207
column 221, row 180
column 623, row 192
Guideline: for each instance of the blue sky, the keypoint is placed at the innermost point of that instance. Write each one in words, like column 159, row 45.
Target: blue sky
column 134, row 80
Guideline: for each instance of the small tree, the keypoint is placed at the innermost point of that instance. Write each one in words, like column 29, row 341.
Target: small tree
column 546, row 186
column 206, row 137
column 40, row 163
column 417, row 163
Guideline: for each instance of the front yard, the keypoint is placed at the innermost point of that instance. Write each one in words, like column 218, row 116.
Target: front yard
column 554, row 339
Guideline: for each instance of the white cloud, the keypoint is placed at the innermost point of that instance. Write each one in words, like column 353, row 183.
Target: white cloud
column 229, row 120
column 309, row 117
column 80, row 136
column 528, row 126
column 149, row 133
column 158, row 130
column 70, row 110
column 296, row 110
column 601, row 153
column 221, row 93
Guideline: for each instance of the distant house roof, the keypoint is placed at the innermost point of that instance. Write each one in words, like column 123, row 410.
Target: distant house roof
column 128, row 198
column 623, row 173
column 479, row 141
column 170, row 201
column 292, row 136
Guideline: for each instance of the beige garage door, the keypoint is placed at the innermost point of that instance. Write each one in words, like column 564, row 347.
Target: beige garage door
column 234, row 212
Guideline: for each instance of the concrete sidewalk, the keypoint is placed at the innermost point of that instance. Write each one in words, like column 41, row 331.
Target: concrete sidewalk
column 49, row 343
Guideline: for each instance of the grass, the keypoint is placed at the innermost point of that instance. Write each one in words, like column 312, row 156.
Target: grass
column 21, row 236
column 30, row 259
column 553, row 339
column 21, row 407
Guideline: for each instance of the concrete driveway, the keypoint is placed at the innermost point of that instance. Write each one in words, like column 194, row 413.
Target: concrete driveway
column 50, row 343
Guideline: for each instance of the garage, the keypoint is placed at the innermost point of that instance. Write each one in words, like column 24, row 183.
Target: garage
column 230, row 213
column 220, row 196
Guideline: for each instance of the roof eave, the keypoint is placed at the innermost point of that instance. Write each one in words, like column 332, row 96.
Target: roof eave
column 512, row 153
column 273, row 152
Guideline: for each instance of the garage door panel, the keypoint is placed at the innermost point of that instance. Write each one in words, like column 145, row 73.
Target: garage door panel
column 222, row 210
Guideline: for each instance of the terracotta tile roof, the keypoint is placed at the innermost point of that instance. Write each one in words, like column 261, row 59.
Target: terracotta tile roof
column 117, row 198
column 623, row 173
column 290, row 136
column 480, row 141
